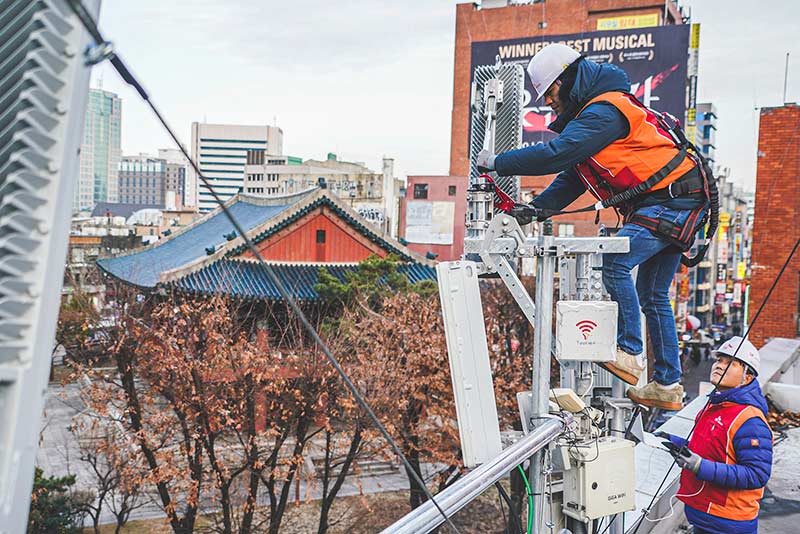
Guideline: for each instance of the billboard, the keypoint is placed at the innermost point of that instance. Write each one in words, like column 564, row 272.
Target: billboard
column 628, row 22
column 430, row 222
column 654, row 58
column 692, row 67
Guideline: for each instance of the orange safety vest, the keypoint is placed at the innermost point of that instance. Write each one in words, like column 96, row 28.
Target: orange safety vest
column 629, row 161
column 713, row 440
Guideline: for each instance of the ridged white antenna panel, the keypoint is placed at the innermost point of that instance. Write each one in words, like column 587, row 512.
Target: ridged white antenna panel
column 43, row 91
column 508, row 129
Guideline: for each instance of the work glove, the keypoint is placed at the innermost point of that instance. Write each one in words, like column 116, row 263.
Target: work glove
column 685, row 458
column 525, row 213
column 688, row 460
column 485, row 161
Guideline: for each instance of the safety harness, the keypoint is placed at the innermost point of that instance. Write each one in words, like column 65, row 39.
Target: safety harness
column 701, row 183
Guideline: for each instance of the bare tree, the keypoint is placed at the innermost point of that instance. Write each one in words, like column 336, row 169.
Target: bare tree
column 214, row 416
column 116, row 470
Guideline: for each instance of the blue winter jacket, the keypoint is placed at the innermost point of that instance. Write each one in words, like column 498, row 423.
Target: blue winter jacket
column 599, row 125
column 753, row 464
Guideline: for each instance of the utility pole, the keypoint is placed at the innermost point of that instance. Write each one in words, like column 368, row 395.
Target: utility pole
column 542, row 331
column 786, row 77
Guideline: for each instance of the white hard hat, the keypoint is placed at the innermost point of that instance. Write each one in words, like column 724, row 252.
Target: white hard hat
column 747, row 353
column 546, row 66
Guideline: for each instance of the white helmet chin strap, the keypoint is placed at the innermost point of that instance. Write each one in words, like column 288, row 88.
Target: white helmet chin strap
column 745, row 374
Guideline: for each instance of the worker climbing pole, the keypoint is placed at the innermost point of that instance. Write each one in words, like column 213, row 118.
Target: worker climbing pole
column 636, row 161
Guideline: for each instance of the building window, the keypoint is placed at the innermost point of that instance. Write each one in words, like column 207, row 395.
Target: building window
column 451, row 190
column 420, row 190
column 320, row 236
column 255, row 157
column 566, row 230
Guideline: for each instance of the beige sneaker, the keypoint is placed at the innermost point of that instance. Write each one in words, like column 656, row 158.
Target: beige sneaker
column 626, row 367
column 656, row 396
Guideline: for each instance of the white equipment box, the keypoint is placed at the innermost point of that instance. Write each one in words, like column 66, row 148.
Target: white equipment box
column 586, row 330
column 465, row 331
column 601, row 481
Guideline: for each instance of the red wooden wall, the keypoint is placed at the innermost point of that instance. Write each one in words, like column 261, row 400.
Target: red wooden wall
column 299, row 242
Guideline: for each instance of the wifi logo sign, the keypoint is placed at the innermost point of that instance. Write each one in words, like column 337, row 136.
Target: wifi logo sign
column 586, row 328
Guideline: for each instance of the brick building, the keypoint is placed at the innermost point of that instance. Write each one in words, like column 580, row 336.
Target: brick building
column 775, row 228
column 554, row 17
column 432, row 215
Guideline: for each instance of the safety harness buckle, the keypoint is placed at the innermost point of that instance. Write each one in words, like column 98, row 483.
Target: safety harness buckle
column 667, row 228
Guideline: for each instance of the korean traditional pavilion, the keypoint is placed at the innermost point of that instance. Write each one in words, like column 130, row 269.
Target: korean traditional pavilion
column 296, row 234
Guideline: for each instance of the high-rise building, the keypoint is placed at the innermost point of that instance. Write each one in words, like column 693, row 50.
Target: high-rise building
column 177, row 177
column 142, row 180
column 731, row 255
column 702, row 299
column 175, row 182
column 146, row 180
column 705, row 136
column 220, row 151
column 100, row 151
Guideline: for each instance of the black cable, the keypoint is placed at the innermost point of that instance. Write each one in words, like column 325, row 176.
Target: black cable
column 503, row 511
column 512, row 512
column 609, row 524
column 86, row 20
column 708, row 402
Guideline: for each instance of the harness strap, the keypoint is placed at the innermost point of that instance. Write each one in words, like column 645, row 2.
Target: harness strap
column 692, row 184
column 640, row 188
column 680, row 235
column 626, row 195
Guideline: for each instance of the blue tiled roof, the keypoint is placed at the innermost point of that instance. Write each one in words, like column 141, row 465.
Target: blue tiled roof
column 144, row 268
column 248, row 280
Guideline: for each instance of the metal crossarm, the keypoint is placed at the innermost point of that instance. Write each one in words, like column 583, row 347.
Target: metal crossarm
column 426, row 517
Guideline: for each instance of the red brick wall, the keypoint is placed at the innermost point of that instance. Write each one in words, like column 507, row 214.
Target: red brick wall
column 438, row 190
column 776, row 226
column 513, row 22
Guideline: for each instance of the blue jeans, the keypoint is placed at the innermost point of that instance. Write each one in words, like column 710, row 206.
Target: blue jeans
column 658, row 262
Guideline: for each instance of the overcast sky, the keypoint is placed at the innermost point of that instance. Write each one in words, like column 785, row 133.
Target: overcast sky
column 366, row 79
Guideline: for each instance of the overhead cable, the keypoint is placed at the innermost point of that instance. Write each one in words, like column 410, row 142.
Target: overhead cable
column 104, row 50
column 708, row 402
